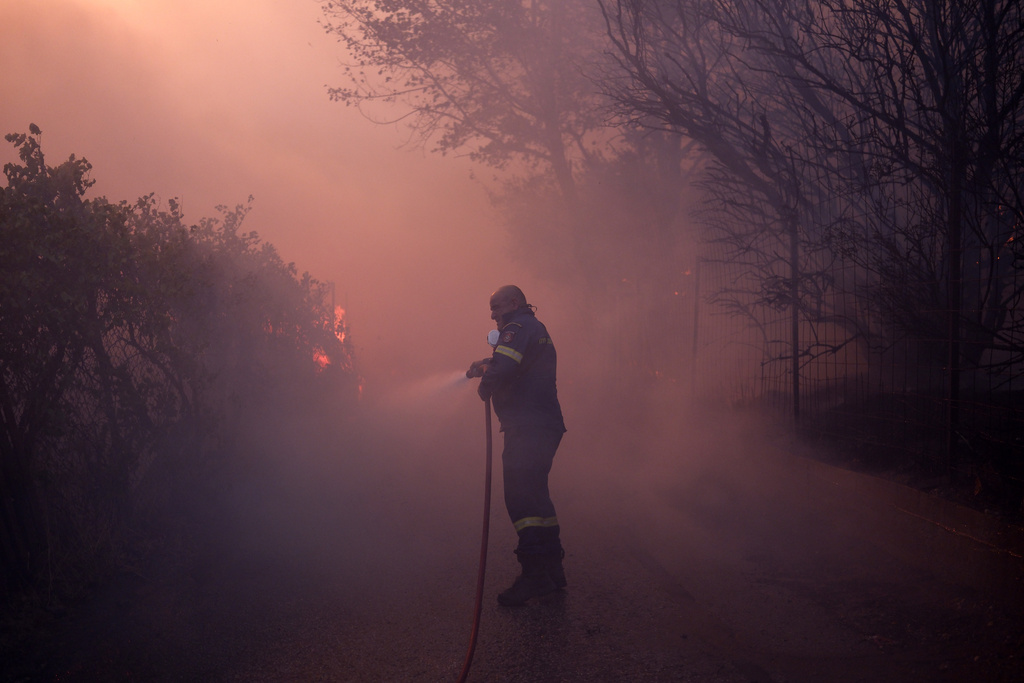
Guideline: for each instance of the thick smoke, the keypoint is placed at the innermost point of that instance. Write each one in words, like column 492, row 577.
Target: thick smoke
column 351, row 528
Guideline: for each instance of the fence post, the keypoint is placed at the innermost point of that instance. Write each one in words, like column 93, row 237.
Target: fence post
column 696, row 327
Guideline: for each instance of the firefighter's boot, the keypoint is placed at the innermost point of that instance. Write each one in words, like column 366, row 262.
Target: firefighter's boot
column 533, row 582
column 555, row 570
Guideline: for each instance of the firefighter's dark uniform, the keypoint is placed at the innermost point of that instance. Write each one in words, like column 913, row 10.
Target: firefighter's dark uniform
column 520, row 381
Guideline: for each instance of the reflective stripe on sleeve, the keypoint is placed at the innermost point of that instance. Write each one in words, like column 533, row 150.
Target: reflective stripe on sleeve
column 511, row 353
column 535, row 521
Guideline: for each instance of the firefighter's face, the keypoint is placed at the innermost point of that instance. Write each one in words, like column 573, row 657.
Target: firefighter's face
column 500, row 306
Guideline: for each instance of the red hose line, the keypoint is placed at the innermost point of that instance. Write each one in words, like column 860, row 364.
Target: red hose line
column 483, row 548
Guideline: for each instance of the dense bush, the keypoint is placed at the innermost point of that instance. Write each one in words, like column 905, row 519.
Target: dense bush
column 129, row 341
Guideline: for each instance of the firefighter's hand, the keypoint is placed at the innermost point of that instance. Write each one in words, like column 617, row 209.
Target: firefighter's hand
column 477, row 368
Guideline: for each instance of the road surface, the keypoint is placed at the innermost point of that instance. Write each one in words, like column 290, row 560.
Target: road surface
column 700, row 548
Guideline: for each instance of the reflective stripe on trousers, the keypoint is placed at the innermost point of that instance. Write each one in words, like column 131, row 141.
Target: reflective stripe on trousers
column 521, row 524
column 526, row 461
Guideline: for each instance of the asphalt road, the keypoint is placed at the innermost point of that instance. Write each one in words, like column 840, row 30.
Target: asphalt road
column 699, row 549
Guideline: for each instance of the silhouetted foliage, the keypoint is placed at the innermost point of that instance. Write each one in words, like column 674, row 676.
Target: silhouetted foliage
column 859, row 165
column 886, row 135
column 128, row 342
column 497, row 80
column 511, row 85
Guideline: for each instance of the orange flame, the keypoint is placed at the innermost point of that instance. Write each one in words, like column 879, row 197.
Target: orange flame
column 339, row 324
column 320, row 355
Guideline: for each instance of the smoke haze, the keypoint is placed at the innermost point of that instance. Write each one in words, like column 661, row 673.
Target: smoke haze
column 213, row 102
column 378, row 505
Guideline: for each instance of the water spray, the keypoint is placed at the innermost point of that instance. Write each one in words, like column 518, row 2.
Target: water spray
column 436, row 384
column 426, row 393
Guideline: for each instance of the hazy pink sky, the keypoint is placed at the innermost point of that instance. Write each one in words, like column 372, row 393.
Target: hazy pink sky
column 210, row 101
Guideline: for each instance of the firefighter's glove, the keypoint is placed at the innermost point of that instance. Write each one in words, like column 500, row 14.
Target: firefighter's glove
column 477, row 368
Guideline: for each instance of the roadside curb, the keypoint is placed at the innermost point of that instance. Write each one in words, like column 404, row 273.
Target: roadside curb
column 986, row 529
column 932, row 533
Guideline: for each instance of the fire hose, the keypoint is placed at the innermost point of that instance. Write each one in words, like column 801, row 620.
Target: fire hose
column 483, row 547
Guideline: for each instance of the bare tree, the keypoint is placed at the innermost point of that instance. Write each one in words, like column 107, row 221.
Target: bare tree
column 934, row 100
column 682, row 68
column 890, row 130
column 499, row 81
column 511, row 85
column 937, row 106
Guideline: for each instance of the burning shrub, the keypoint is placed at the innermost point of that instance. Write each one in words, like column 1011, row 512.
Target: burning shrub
column 129, row 342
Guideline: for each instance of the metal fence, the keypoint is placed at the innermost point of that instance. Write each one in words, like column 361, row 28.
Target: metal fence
column 886, row 400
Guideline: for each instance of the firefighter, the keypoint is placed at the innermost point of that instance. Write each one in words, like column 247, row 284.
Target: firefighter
column 519, row 378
